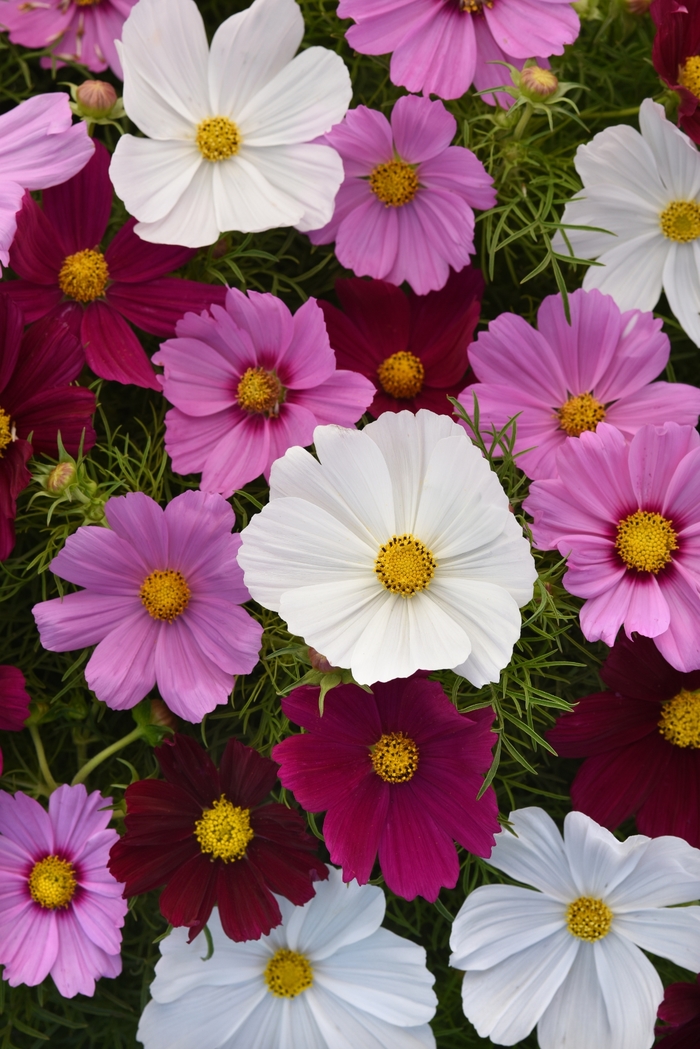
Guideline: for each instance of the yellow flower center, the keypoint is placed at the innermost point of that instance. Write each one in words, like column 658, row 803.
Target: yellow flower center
column 395, row 757
column 165, row 595
column 260, row 391
column 395, row 183
column 87, row 3
column 680, row 720
column 287, row 974
column 52, row 883
column 224, row 831
column 6, row 434
column 680, row 221
column 405, row 565
column 218, row 138
column 84, row 276
column 645, row 541
column 401, row 375
column 580, row 413
column 689, row 75
column 474, row 7
column 588, row 919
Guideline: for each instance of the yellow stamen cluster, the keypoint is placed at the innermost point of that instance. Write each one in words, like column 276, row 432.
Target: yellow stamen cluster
column 405, row 565
column 680, row 221
column 395, row 757
column 84, row 276
column 165, row 595
column 260, row 391
column 394, row 183
column 52, row 883
column 645, row 541
column 218, row 138
column 87, row 3
column 224, row 831
column 582, row 412
column 287, row 974
column 401, row 375
column 6, row 436
column 588, row 919
column 680, row 720
column 474, row 7
column 689, row 76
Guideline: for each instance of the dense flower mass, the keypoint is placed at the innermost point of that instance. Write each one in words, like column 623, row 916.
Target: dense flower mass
column 676, row 57
column 14, row 701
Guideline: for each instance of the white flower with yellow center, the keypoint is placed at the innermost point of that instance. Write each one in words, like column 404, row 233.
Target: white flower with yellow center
column 229, row 130
column 328, row 977
column 395, row 552
column 645, row 190
column 565, row 956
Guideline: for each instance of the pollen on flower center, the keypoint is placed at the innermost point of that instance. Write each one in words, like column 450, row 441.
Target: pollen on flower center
column 401, row 375
column 580, row 413
column 405, row 565
column 394, row 183
column 395, row 757
column 165, row 595
column 645, row 541
column 474, row 7
column 287, row 974
column 6, row 435
column 224, row 831
column 260, row 391
column 689, row 75
column 680, row 221
column 588, row 919
column 680, row 719
column 87, row 3
column 52, row 882
column 84, row 275
column 218, row 138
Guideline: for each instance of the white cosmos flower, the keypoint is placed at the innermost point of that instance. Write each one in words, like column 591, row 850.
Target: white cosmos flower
column 644, row 189
column 327, row 978
column 567, row 957
column 396, row 552
column 228, row 130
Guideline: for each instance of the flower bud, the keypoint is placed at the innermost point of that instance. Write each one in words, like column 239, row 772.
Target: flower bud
column 319, row 662
column 95, row 98
column 537, row 82
column 62, row 476
column 162, row 716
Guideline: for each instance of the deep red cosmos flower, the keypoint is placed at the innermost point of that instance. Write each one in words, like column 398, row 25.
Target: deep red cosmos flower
column 207, row 836
column 398, row 771
column 676, row 56
column 35, row 398
column 641, row 741
column 681, row 1011
column 14, row 701
column 413, row 348
column 64, row 273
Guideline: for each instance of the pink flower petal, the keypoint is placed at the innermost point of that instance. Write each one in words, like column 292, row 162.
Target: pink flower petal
column 29, row 946
column 24, row 821
column 76, row 816
column 341, row 399
column 78, row 961
column 121, row 670
column 141, row 523
column 680, row 644
column 655, row 405
column 81, row 619
column 422, row 129
column 157, row 305
column 308, row 360
column 363, row 140
column 190, row 683
column 654, row 456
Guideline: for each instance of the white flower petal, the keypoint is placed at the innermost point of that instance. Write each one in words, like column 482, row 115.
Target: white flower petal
column 667, row 873
column 619, row 156
column 536, row 856
column 309, row 174
column 505, row 561
column 681, row 279
column 214, row 1013
column 631, row 272
column 151, row 177
column 191, row 221
column 297, row 1026
column 496, row 921
column 623, row 214
column 676, row 157
column 672, row 933
column 345, row 1027
column 342, row 914
column 244, row 200
column 597, row 860
column 261, row 1029
column 356, row 468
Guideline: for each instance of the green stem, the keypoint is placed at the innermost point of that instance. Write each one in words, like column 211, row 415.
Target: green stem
column 523, row 122
column 41, row 755
column 87, row 768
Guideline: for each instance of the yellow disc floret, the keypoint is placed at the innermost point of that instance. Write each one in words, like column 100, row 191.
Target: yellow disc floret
column 224, row 831
column 680, row 221
column 405, row 565
column 287, row 974
column 6, row 434
column 260, row 391
column 395, row 757
column 165, row 595
column 680, row 719
column 582, row 412
column 401, row 375
column 645, row 541
column 84, row 276
column 689, row 76
column 87, row 3
column 52, row 882
column 588, row 919
column 394, row 183
column 218, row 138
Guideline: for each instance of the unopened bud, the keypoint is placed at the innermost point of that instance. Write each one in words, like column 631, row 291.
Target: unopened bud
column 162, row 715
column 96, row 98
column 61, row 477
column 638, row 7
column 319, row 662
column 538, row 82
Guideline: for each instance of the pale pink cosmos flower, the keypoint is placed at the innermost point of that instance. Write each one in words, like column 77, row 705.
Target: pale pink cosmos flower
column 404, row 211
column 565, row 378
column 249, row 381
column 441, row 47
column 61, row 911
column 627, row 516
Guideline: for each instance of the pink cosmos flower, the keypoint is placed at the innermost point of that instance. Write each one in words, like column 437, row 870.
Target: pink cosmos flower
column 39, row 147
column 14, row 701
column 404, row 211
column 81, row 31
column 60, row 908
column 565, row 379
column 398, row 771
column 162, row 597
column 442, row 46
column 249, row 382
column 628, row 518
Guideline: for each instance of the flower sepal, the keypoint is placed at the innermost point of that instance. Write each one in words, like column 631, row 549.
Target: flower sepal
column 96, row 102
column 154, row 719
column 66, row 480
column 536, row 90
column 325, row 676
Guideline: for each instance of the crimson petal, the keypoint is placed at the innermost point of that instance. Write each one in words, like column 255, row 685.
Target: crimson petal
column 79, row 209
column 134, row 260
column 157, row 305
column 112, row 349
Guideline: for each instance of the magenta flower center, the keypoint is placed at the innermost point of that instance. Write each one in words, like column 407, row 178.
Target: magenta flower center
column 401, row 375
column 588, row 919
column 404, row 565
column 395, row 757
column 52, row 882
column 224, row 831
column 395, row 183
column 689, row 76
column 7, row 435
column 260, row 391
column 645, row 541
column 680, row 720
column 680, row 221
column 582, row 412
column 84, row 276
column 288, row 973
column 218, row 138
column 165, row 595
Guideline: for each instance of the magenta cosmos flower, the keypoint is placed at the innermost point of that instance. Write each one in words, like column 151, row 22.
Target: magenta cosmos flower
column 80, row 31
column 14, row 701
column 680, row 1010
column 161, row 601
column 627, row 516
column 398, row 771
column 64, row 274
column 413, row 348
column 564, row 379
column 248, row 382
column 404, row 211
column 61, row 910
